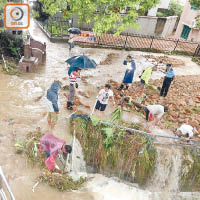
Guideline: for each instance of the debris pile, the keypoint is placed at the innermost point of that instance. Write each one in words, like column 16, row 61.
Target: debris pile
column 57, row 180
column 183, row 100
column 61, row 181
column 165, row 60
column 77, row 102
column 9, row 68
column 109, row 59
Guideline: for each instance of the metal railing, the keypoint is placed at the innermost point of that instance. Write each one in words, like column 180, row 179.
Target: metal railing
column 3, row 181
column 57, row 28
column 193, row 143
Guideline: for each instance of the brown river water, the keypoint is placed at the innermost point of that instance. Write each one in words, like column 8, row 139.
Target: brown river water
column 21, row 112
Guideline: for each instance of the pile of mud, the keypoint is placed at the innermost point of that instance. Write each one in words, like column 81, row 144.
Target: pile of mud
column 109, row 59
column 165, row 60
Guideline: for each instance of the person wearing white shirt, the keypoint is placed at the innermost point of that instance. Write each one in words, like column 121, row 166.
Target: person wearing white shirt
column 103, row 97
column 186, row 131
column 155, row 111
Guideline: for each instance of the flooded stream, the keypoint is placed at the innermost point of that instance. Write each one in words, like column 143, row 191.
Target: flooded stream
column 22, row 111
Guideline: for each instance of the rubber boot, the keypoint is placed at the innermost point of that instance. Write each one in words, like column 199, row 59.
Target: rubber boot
column 121, row 87
column 126, row 88
column 69, row 106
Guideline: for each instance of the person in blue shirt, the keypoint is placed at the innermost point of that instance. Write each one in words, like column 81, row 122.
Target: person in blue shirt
column 129, row 74
column 52, row 103
column 169, row 77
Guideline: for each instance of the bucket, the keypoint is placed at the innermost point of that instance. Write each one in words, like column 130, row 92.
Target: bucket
column 151, row 117
column 50, row 163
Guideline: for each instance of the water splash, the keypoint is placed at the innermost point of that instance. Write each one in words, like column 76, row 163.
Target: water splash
column 166, row 175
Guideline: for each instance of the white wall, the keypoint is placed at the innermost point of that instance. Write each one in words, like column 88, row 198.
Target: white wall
column 148, row 26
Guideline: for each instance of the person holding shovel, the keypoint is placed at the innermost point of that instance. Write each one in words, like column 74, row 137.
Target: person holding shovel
column 129, row 74
column 169, row 77
column 103, row 97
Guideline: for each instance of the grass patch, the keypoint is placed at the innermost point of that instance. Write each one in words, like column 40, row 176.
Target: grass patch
column 190, row 170
column 116, row 154
column 61, row 182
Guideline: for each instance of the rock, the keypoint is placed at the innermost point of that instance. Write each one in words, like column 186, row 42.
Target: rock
column 194, row 123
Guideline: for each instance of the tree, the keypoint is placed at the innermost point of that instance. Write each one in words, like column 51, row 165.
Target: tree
column 104, row 14
column 175, row 9
column 2, row 3
column 195, row 3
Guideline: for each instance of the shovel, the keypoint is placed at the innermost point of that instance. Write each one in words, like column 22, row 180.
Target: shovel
column 93, row 107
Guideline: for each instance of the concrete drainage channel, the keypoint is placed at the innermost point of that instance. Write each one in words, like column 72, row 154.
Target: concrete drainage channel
column 3, row 182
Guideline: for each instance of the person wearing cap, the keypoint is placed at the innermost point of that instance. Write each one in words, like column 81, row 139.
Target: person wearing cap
column 73, row 87
column 186, row 131
column 169, row 77
column 155, row 112
column 129, row 74
column 103, row 97
column 52, row 104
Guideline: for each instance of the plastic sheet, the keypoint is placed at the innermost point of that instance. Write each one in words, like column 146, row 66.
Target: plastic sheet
column 51, row 143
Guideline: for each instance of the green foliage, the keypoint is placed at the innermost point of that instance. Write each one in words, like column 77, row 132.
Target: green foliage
column 10, row 68
column 190, row 170
column 94, row 120
column 195, row 3
column 116, row 152
column 196, row 60
column 11, row 47
column 61, row 182
column 116, row 115
column 175, row 9
column 198, row 21
column 104, row 14
column 2, row 3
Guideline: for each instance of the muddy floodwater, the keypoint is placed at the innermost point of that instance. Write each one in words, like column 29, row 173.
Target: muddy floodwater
column 22, row 110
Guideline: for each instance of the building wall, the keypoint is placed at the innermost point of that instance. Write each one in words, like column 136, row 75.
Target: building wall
column 149, row 26
column 163, row 4
column 187, row 16
column 169, row 26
